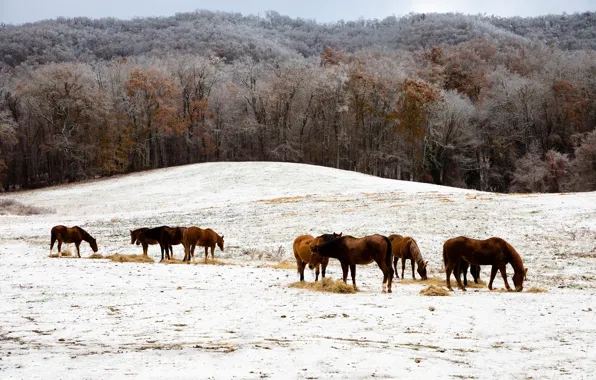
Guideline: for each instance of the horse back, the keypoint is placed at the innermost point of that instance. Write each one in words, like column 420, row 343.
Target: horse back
column 66, row 234
column 491, row 251
column 191, row 235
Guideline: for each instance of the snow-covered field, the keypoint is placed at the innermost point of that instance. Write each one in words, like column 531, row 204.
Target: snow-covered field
column 95, row 319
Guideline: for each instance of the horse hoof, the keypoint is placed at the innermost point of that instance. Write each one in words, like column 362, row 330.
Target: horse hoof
column 450, row 289
column 389, row 291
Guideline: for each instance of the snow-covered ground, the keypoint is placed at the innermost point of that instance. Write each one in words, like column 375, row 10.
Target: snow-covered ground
column 95, row 319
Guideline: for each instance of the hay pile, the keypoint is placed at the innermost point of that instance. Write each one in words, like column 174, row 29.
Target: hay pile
column 433, row 290
column 66, row 253
column 96, row 256
column 283, row 264
column 535, row 289
column 325, row 285
column 174, row 261
column 130, row 258
column 211, row 262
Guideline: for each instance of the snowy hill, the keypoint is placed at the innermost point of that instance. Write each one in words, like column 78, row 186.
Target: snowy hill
column 90, row 316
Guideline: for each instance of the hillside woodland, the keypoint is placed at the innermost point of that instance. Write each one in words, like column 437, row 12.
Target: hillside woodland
column 490, row 103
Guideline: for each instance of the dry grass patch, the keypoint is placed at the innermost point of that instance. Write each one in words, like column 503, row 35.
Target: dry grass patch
column 96, row 256
column 174, row 261
column 535, row 289
column 327, row 284
column 433, row 290
column 130, row 258
column 285, row 199
column 212, row 262
column 66, row 253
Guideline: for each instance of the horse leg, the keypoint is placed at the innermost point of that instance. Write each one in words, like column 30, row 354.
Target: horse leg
column 344, row 269
column 493, row 273
column 206, row 253
column 78, row 252
column 191, row 254
column 448, row 270
column 464, row 269
column 457, row 274
column 413, row 263
column 324, row 266
column 353, row 272
column 317, row 272
column 395, row 267
column 301, row 265
column 145, row 249
column 59, row 247
column 503, row 270
column 212, row 253
column 403, row 268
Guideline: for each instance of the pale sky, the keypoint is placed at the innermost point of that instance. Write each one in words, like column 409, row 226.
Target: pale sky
column 21, row 11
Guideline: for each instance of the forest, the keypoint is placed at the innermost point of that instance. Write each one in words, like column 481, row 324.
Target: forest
column 480, row 102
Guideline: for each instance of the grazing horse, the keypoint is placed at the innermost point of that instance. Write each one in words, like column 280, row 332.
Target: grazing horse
column 351, row 251
column 204, row 238
column 302, row 252
column 165, row 236
column 493, row 251
column 474, row 271
column 406, row 248
column 135, row 237
column 71, row 235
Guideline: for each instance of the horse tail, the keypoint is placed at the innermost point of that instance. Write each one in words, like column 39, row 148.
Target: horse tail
column 52, row 238
column 445, row 255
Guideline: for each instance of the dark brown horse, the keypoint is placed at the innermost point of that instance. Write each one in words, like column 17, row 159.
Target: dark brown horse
column 165, row 236
column 351, row 251
column 302, row 253
column 406, row 248
column 135, row 237
column 493, row 251
column 71, row 235
column 204, row 238
column 474, row 271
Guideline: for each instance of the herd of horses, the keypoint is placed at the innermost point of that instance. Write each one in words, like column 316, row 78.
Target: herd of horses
column 459, row 253
column 165, row 236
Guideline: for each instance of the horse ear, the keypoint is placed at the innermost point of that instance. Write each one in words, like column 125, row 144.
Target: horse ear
column 426, row 263
column 339, row 234
column 222, row 237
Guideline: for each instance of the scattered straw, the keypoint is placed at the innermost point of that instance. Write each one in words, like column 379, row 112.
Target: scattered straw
column 440, row 281
column 212, row 262
column 325, row 285
column 130, row 258
column 96, row 256
column 174, row 261
column 535, row 289
column 433, row 290
column 66, row 253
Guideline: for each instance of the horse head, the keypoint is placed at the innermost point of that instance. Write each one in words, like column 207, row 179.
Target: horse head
column 133, row 238
column 93, row 244
column 316, row 258
column 220, row 242
column 518, row 279
column 422, row 270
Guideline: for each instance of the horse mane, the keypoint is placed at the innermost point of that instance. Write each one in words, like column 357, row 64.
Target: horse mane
column 416, row 254
column 84, row 233
column 516, row 260
column 329, row 240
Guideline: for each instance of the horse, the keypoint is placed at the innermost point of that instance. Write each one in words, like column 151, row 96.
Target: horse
column 493, row 251
column 302, row 253
column 474, row 271
column 165, row 236
column 204, row 238
column 135, row 237
column 406, row 248
column 71, row 235
column 351, row 251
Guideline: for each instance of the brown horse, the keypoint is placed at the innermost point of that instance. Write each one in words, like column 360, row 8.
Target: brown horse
column 71, row 235
column 493, row 251
column 406, row 248
column 351, row 251
column 135, row 237
column 302, row 252
column 204, row 238
column 165, row 236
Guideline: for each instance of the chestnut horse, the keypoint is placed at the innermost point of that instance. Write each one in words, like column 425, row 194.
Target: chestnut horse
column 406, row 248
column 135, row 237
column 351, row 251
column 165, row 236
column 493, row 251
column 474, row 271
column 204, row 238
column 71, row 235
column 302, row 252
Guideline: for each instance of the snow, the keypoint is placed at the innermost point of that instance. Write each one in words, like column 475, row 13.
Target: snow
column 92, row 319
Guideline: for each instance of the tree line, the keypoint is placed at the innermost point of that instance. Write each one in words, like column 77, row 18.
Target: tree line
column 488, row 113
